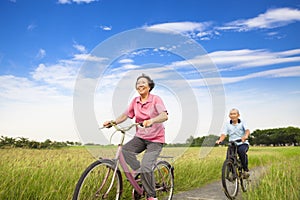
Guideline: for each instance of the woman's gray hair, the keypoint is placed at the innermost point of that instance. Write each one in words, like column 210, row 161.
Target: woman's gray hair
column 235, row 109
column 150, row 81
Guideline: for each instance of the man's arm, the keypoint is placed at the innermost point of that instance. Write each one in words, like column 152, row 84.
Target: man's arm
column 221, row 139
column 246, row 136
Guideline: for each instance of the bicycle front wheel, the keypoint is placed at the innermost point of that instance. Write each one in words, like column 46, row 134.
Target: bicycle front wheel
column 230, row 179
column 99, row 181
column 164, row 180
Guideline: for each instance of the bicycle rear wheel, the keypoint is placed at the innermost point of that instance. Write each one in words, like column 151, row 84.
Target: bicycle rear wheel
column 164, row 180
column 230, row 179
column 244, row 183
column 97, row 182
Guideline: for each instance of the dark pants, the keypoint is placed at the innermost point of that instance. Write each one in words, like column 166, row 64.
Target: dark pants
column 242, row 152
column 152, row 151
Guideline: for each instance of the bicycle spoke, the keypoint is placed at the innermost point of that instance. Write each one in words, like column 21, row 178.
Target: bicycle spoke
column 229, row 179
column 164, row 180
column 96, row 181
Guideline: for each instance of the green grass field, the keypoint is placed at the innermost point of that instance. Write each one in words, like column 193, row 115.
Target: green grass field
column 52, row 174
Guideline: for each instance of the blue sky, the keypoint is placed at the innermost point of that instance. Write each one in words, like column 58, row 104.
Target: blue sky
column 43, row 45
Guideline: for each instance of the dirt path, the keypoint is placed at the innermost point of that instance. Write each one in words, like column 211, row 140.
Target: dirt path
column 214, row 191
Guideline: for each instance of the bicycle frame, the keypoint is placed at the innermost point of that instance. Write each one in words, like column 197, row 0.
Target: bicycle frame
column 111, row 182
column 120, row 161
column 232, row 152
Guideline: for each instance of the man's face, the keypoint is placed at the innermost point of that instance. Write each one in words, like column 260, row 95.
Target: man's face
column 234, row 115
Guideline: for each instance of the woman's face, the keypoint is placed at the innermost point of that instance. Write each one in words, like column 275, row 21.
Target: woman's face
column 142, row 86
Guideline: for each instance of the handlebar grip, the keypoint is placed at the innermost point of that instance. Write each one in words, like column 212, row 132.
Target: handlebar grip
column 111, row 123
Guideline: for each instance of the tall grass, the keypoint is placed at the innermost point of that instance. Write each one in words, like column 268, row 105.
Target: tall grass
column 52, row 174
column 282, row 181
column 40, row 174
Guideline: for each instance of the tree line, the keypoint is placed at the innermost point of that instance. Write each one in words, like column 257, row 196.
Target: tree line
column 268, row 137
column 21, row 142
column 276, row 137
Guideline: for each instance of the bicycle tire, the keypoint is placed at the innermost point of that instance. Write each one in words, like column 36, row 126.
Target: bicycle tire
column 95, row 181
column 164, row 180
column 230, row 180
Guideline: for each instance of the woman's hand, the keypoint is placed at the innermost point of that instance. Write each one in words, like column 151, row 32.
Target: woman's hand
column 108, row 124
column 148, row 123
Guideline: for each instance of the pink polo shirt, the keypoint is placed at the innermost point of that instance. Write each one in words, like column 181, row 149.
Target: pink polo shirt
column 144, row 111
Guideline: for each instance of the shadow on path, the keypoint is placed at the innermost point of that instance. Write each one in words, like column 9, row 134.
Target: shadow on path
column 214, row 191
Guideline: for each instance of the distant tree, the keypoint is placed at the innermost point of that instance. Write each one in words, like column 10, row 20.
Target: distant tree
column 276, row 136
column 22, row 142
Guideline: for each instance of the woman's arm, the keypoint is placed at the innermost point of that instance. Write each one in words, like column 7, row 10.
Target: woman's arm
column 162, row 117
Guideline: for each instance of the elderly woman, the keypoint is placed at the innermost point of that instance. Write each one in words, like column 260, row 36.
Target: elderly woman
column 148, row 109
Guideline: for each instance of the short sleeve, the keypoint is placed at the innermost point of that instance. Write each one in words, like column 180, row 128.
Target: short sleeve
column 159, row 105
column 245, row 126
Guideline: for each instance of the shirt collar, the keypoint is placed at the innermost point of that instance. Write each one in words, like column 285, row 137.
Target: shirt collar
column 150, row 98
column 239, row 121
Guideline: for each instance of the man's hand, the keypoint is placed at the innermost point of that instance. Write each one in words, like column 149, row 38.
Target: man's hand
column 244, row 138
column 219, row 142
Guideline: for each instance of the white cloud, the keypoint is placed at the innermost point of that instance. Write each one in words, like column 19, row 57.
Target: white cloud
column 88, row 57
column 193, row 29
column 19, row 89
column 181, row 27
column 246, row 58
column 273, row 18
column 106, row 28
column 41, row 54
column 30, row 27
column 273, row 73
column 293, row 71
column 75, row 1
column 80, row 48
column 61, row 75
column 64, row 1
column 126, row 61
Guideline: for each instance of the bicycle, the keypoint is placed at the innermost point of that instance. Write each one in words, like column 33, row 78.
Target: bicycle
column 232, row 172
column 103, row 178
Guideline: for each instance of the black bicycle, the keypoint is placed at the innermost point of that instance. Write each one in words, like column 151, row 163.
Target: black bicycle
column 233, row 172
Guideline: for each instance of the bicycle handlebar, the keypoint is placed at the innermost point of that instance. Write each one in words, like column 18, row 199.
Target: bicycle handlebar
column 238, row 140
column 121, row 129
column 232, row 141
